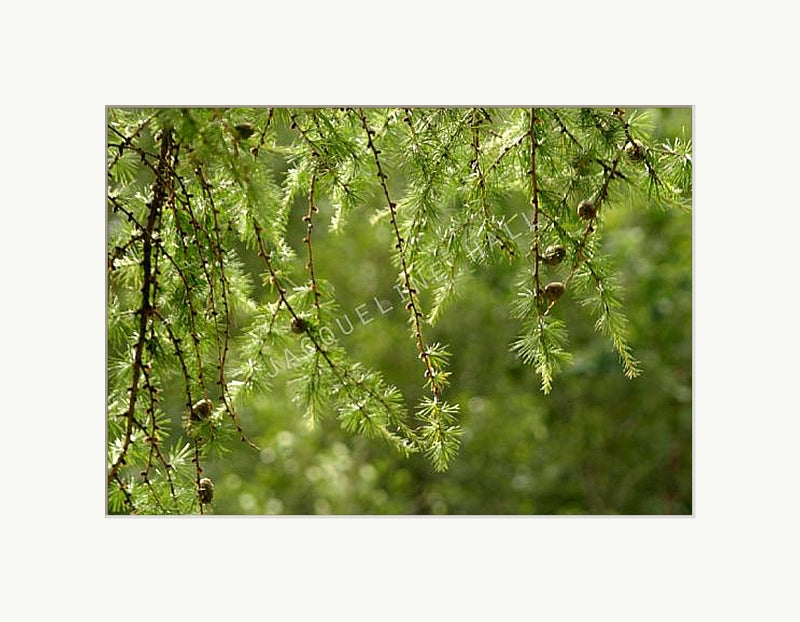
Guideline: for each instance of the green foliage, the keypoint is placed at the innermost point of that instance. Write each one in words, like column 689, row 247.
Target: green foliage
column 216, row 291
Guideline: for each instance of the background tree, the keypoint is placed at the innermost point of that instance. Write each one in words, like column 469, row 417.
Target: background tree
column 491, row 231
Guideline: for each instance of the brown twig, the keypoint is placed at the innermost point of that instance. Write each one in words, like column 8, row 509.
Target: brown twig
column 262, row 138
column 222, row 348
column 159, row 196
column 535, row 205
column 308, row 220
column 589, row 229
column 413, row 304
column 198, row 471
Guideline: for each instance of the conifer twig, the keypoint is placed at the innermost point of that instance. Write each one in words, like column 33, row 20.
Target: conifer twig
column 506, row 150
column 125, row 492
column 187, row 196
column 535, row 206
column 481, row 178
column 430, row 177
column 412, row 304
column 564, row 235
column 342, row 374
column 308, row 220
column 319, row 152
column 565, row 130
column 645, row 155
column 159, row 196
column 263, row 136
column 198, row 471
column 589, row 229
column 176, row 344
column 126, row 140
column 151, row 436
column 189, row 302
column 155, row 450
column 540, row 317
column 223, row 347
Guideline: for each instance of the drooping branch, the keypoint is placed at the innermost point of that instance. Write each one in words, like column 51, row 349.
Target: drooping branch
column 413, row 304
column 308, row 220
column 222, row 348
column 346, row 379
column 534, row 201
column 159, row 196
column 611, row 173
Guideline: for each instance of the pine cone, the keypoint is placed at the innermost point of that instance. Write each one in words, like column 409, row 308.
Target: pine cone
column 299, row 325
column 245, row 130
column 554, row 254
column 206, row 490
column 201, row 409
column 635, row 150
column 586, row 210
column 554, row 290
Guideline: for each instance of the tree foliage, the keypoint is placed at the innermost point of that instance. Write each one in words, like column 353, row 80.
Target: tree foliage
column 195, row 195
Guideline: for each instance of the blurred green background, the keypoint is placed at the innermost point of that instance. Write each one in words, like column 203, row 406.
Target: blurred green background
column 598, row 444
